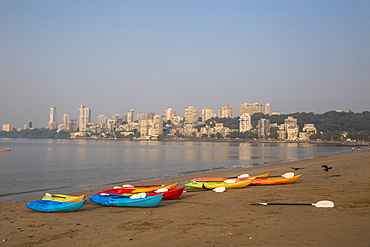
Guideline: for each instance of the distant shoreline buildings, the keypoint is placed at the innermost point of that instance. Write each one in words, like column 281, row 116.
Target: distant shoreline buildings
column 192, row 124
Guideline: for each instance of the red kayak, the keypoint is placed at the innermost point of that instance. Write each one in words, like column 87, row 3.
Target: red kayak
column 168, row 194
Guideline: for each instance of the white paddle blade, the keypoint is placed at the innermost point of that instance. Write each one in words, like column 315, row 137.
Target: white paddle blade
column 138, row 196
column 161, row 190
column 48, row 194
column 230, row 181
column 243, row 176
column 104, row 194
column 324, row 204
column 127, row 185
column 219, row 189
column 288, row 175
column 116, row 187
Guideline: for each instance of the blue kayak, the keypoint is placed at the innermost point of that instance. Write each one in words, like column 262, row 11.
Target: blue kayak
column 55, row 206
column 126, row 201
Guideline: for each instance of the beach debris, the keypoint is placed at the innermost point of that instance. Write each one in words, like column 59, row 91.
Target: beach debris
column 326, row 168
column 297, row 168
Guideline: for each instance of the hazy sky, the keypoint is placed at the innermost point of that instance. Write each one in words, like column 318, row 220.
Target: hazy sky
column 113, row 56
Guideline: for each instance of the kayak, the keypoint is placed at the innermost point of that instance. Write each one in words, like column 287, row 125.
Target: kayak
column 168, row 194
column 54, row 206
column 277, row 180
column 228, row 184
column 225, row 178
column 144, row 188
column 63, row 198
column 126, row 201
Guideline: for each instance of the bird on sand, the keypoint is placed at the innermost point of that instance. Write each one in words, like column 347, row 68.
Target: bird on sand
column 297, row 168
column 326, row 168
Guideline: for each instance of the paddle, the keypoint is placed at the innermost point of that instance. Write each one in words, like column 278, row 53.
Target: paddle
column 50, row 195
column 320, row 204
column 285, row 175
column 136, row 196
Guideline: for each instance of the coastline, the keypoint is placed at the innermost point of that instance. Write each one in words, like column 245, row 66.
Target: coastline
column 206, row 218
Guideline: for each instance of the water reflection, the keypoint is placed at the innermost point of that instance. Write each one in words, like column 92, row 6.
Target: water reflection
column 35, row 164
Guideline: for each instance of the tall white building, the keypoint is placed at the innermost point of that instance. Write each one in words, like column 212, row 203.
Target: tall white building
column 267, row 109
column 84, row 117
column 102, row 120
column 263, row 127
column 207, row 114
column 53, row 124
column 65, row 119
column 245, row 122
column 130, row 116
column 158, row 125
column 191, row 114
column 169, row 113
column 225, row 112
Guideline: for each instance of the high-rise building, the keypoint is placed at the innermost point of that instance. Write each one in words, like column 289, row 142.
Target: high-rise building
column 250, row 108
column 145, row 116
column 245, row 123
column 169, row 113
column 191, row 114
column 263, row 127
column 6, row 127
column 65, row 119
column 130, row 116
column 53, row 124
column 207, row 114
column 267, row 109
column 83, row 118
column 72, row 126
column 158, row 125
column 102, row 120
column 225, row 112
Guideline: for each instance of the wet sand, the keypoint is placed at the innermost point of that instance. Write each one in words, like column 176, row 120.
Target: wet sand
column 207, row 218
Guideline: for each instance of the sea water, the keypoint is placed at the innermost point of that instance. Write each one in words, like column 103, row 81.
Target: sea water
column 35, row 166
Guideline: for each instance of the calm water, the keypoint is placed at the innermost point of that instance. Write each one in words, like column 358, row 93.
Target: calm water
column 61, row 166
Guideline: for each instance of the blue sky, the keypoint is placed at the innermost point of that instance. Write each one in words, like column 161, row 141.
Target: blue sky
column 113, row 56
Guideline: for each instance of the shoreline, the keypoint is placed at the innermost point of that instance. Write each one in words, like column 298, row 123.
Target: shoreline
column 29, row 195
column 206, row 218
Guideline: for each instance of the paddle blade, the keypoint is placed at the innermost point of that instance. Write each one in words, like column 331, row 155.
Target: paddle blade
column 288, row 175
column 243, row 176
column 116, row 187
column 324, row 204
column 48, row 194
column 137, row 196
column 219, row 189
column 127, row 185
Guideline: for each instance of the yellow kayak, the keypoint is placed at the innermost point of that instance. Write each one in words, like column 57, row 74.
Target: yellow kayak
column 228, row 184
column 63, row 198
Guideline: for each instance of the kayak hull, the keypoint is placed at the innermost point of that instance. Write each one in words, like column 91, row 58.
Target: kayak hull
column 216, row 184
column 126, row 201
column 275, row 181
column 54, row 206
column 137, row 189
column 171, row 194
column 64, row 198
column 225, row 178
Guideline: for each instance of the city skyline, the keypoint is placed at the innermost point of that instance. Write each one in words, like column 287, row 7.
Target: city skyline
column 299, row 56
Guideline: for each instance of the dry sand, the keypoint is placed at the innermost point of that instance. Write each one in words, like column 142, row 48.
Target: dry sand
column 207, row 218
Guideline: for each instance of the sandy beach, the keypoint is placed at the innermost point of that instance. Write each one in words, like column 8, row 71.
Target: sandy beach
column 207, row 218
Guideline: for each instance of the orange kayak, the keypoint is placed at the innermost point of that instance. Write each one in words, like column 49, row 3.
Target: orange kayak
column 272, row 181
column 223, row 179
